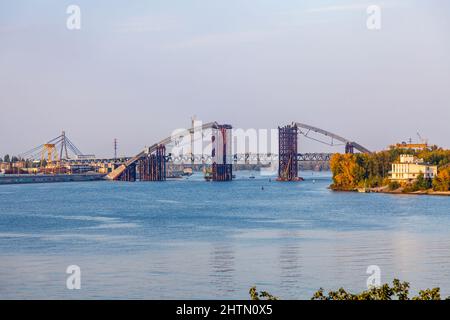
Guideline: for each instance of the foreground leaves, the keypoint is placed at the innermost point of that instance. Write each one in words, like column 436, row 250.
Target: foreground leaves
column 398, row 291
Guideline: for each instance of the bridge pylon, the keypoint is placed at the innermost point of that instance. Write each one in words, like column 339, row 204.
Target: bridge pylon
column 287, row 152
column 152, row 167
column 349, row 148
column 222, row 157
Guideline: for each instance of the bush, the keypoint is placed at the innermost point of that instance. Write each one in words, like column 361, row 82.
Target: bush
column 394, row 185
column 398, row 291
column 422, row 183
column 263, row 295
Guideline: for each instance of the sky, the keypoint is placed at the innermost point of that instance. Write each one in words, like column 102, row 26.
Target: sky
column 137, row 70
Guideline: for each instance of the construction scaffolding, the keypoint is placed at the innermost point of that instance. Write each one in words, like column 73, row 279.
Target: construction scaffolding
column 153, row 166
column 349, row 148
column 288, row 160
column 222, row 168
column 129, row 174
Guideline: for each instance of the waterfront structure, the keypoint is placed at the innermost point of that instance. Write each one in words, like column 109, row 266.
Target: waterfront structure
column 409, row 167
column 47, row 178
column 287, row 152
column 53, row 156
column 221, row 153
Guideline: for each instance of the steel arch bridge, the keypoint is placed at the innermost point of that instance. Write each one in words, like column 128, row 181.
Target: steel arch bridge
column 348, row 143
column 300, row 129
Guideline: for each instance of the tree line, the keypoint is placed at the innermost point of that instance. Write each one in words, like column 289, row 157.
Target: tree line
column 351, row 171
column 9, row 159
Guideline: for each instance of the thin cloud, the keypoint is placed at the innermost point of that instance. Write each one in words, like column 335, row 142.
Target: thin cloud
column 223, row 39
column 148, row 24
column 351, row 7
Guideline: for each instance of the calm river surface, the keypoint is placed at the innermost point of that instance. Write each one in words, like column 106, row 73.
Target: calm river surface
column 192, row 239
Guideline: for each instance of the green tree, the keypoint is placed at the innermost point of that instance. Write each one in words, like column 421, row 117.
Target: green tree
column 394, row 185
column 422, row 183
column 263, row 295
column 398, row 291
column 6, row 158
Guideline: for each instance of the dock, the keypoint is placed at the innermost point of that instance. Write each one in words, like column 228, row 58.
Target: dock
column 48, row 178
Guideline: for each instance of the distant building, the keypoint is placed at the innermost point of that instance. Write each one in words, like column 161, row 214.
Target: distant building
column 85, row 157
column 409, row 168
column 5, row 165
column 413, row 146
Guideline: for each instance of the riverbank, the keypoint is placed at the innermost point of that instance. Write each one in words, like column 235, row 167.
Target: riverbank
column 386, row 189
column 421, row 192
column 48, row 178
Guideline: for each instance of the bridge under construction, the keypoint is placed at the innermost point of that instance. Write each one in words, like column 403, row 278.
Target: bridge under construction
column 150, row 164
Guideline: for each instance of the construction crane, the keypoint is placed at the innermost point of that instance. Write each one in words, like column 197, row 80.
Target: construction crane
column 422, row 140
column 49, row 154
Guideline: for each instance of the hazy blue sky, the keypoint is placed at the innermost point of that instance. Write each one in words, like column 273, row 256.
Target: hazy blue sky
column 138, row 69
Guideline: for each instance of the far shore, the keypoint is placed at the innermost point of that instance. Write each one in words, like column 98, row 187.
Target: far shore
column 399, row 191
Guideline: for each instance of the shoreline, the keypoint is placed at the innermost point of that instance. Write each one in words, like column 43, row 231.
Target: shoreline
column 49, row 178
column 398, row 192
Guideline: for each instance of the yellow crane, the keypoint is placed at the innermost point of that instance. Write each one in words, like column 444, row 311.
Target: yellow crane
column 49, row 155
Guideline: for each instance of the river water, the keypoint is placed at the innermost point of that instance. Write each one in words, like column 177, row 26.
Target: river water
column 191, row 239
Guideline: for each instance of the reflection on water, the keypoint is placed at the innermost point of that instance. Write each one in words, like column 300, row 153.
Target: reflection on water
column 222, row 268
column 191, row 239
column 290, row 261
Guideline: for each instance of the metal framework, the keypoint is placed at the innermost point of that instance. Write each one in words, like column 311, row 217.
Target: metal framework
column 349, row 144
column 152, row 167
column 118, row 171
column 222, row 169
column 288, row 161
column 129, row 174
column 49, row 154
column 349, row 148
column 248, row 158
column 288, row 156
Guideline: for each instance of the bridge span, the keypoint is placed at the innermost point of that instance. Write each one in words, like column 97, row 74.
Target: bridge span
column 151, row 161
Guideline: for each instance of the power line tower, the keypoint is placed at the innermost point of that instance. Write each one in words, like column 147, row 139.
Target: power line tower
column 115, row 149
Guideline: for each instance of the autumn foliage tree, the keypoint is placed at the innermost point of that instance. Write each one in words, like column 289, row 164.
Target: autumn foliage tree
column 442, row 181
column 344, row 170
column 351, row 171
